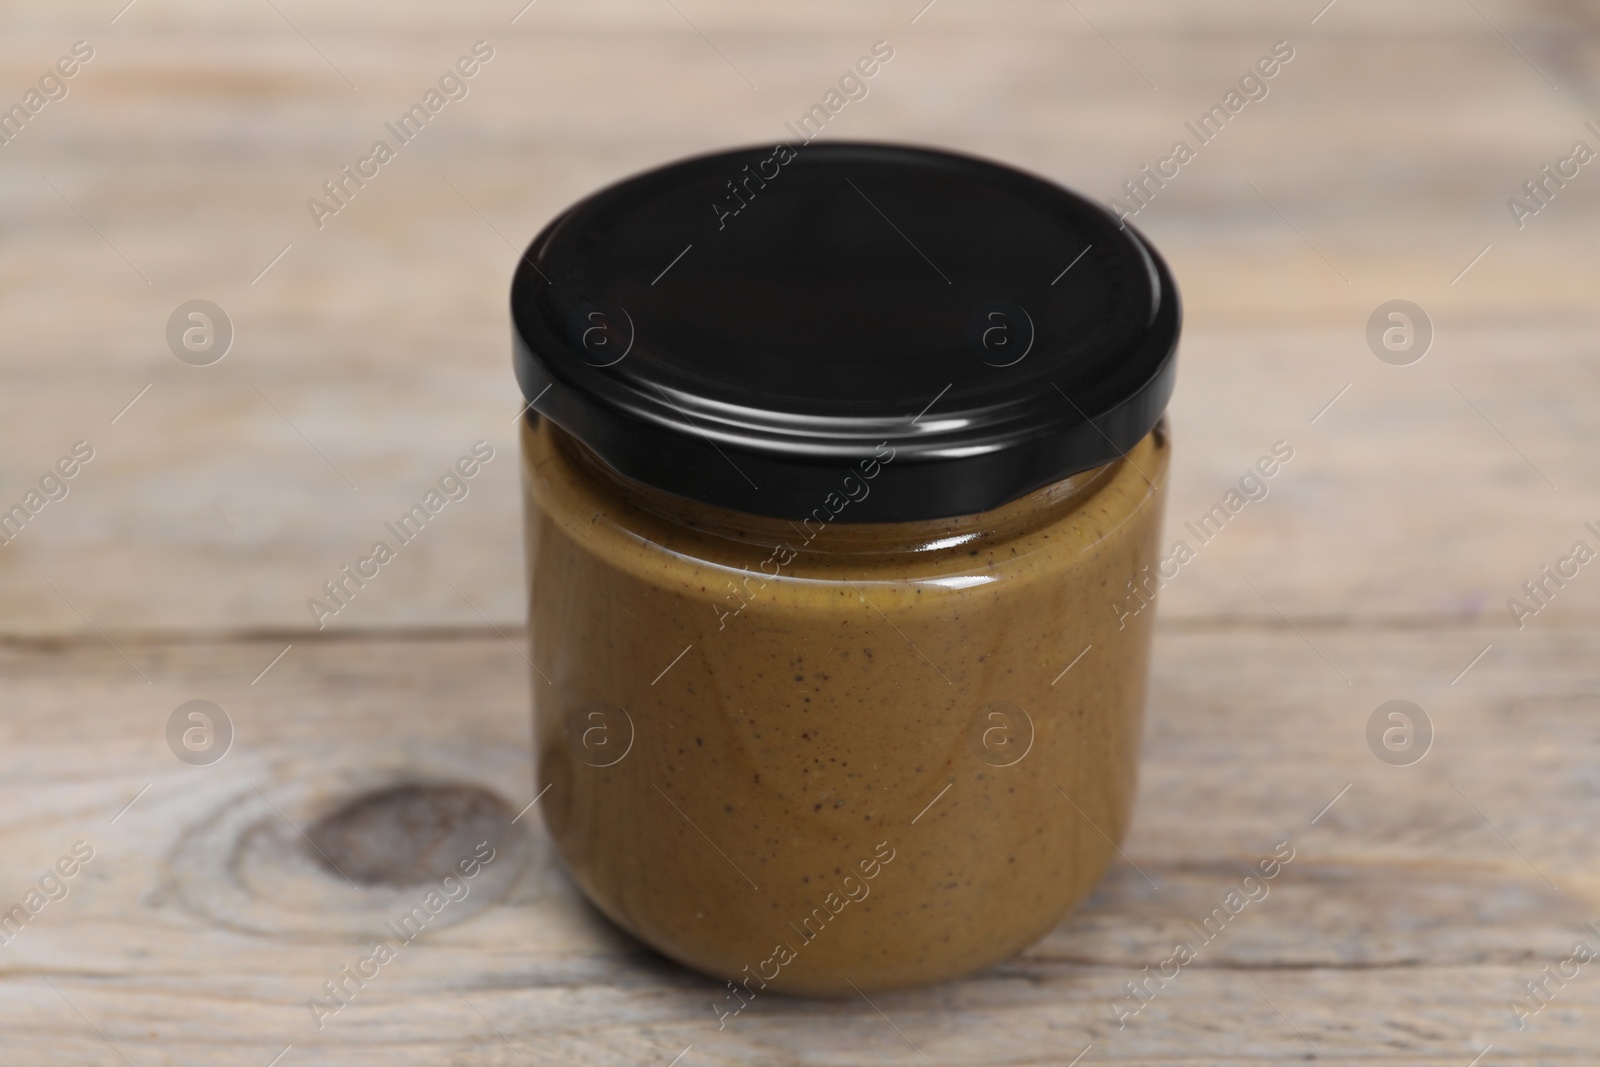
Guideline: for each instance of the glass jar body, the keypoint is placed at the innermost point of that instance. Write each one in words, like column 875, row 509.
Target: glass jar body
column 813, row 756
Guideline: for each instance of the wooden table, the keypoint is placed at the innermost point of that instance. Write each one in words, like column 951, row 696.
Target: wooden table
column 370, row 353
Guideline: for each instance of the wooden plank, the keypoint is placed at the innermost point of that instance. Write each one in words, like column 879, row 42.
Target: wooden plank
column 376, row 349
column 1397, row 934
column 1382, row 514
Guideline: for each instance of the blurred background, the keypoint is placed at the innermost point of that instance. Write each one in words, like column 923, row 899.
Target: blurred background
column 369, row 350
column 179, row 165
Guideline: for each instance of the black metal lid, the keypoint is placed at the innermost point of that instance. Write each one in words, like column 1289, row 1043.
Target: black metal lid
column 749, row 329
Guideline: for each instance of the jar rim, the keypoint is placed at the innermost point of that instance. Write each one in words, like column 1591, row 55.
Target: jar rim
column 810, row 533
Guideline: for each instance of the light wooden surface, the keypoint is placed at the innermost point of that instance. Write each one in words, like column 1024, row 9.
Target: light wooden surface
column 375, row 352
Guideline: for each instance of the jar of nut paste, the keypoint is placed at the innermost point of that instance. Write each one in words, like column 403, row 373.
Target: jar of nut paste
column 842, row 464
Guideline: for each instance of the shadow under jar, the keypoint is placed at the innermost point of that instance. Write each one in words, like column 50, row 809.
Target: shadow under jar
column 844, row 474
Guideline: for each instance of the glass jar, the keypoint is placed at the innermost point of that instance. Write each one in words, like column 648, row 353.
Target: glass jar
column 834, row 694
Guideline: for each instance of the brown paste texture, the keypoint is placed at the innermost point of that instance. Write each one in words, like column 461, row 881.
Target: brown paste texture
column 814, row 756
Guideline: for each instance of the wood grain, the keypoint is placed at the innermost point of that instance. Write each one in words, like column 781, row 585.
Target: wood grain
column 1397, row 933
column 375, row 351
column 1391, row 142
